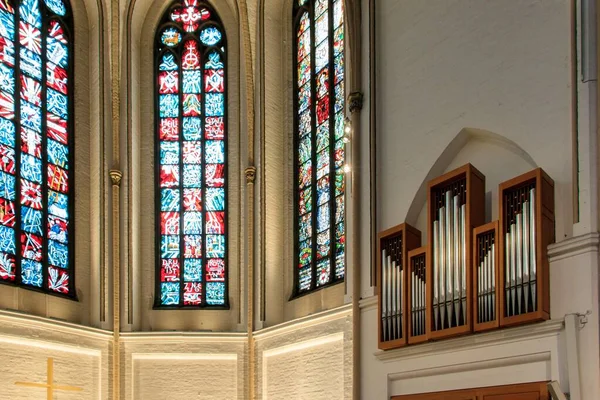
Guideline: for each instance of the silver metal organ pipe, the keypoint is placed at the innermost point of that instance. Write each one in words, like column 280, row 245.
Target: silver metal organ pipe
column 394, row 294
column 493, row 255
column 479, row 285
column 398, row 320
column 384, row 295
column 442, row 262
column 457, row 254
column 526, row 254
column 519, row 258
column 389, row 299
column 413, row 304
column 532, row 247
column 436, row 272
column 507, row 272
column 449, row 258
column 513, row 266
column 463, row 263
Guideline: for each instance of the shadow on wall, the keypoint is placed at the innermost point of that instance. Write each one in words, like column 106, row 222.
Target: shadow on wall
column 497, row 157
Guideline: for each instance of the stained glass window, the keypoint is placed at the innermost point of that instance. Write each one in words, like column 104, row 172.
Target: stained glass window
column 36, row 145
column 191, row 158
column 320, row 234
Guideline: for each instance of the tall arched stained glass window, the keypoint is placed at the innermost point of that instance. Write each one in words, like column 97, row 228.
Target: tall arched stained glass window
column 319, row 147
column 36, row 145
column 191, row 158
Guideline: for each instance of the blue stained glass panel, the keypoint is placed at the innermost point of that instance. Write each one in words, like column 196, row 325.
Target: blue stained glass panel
column 322, row 136
column 305, row 226
column 168, row 63
column 57, row 52
column 169, row 153
column 7, row 240
column 31, row 220
column 192, row 223
column 58, row 204
column 192, row 128
column 31, row 63
column 304, row 279
column 58, row 154
column 339, row 209
column 323, row 214
column 58, row 254
column 7, row 267
column 169, row 200
column 192, row 270
column 323, row 272
column 305, row 252
column 30, row 12
column 192, row 81
column 31, row 168
column 214, row 61
column 31, row 273
column 210, row 36
column 323, row 190
column 57, row 229
column 7, row 186
column 192, row 105
column 340, row 265
column 7, row 132
column 215, row 293
column 31, row 116
column 215, row 246
column 304, row 123
column 7, row 79
column 169, row 246
column 192, row 175
column 57, row 6
column 215, row 104
column 168, row 105
column 57, row 103
column 215, row 199
column 339, row 126
column 339, row 97
column 304, row 149
column 171, row 37
column 322, row 164
column 7, row 25
column 215, row 151
column 169, row 293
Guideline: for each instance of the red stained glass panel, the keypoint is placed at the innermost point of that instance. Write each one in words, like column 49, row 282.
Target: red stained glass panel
column 192, row 199
column 169, row 270
column 215, row 175
column 169, row 129
column 58, row 179
column 169, row 223
column 215, row 128
column 215, row 270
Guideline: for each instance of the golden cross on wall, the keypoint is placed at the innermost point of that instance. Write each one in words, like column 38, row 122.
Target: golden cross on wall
column 49, row 385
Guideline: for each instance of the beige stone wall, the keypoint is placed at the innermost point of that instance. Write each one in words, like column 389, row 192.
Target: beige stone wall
column 310, row 358
column 80, row 356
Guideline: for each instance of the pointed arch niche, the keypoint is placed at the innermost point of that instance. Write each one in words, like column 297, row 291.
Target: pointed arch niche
column 139, row 281
column 85, row 132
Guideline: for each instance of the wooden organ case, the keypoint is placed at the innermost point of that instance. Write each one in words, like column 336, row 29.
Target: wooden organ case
column 471, row 276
